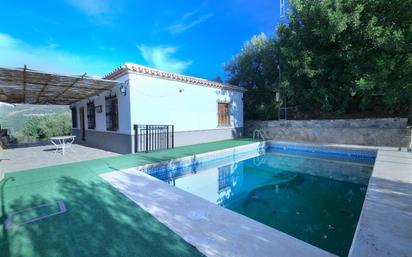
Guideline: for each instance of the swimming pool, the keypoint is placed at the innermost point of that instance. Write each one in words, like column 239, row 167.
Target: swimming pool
column 313, row 194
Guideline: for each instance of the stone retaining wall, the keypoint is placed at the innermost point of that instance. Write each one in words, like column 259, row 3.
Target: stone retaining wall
column 374, row 132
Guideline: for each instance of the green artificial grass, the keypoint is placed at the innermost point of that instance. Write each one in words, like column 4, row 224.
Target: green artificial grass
column 99, row 221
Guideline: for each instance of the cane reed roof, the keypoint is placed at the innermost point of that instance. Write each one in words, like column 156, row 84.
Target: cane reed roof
column 23, row 85
column 147, row 71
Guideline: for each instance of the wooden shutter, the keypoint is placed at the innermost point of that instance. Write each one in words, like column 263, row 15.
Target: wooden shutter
column 223, row 114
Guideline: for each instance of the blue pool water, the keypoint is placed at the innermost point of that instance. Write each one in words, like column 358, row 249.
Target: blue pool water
column 311, row 195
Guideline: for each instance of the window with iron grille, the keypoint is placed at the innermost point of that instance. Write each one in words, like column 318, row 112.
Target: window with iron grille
column 91, row 116
column 112, row 119
column 74, row 117
column 223, row 114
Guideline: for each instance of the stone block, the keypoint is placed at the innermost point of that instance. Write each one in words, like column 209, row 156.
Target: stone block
column 374, row 132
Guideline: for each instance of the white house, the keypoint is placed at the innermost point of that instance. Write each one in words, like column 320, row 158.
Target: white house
column 200, row 110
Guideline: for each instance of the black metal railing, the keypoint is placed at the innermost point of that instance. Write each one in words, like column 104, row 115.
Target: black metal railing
column 150, row 138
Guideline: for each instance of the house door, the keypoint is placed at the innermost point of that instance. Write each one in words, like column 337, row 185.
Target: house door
column 82, row 125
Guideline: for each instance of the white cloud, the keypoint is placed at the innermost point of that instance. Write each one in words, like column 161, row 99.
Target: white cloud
column 187, row 22
column 48, row 58
column 51, row 43
column 91, row 7
column 101, row 12
column 160, row 57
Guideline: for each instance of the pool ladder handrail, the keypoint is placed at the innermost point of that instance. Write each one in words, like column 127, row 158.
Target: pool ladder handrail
column 258, row 133
column 259, row 160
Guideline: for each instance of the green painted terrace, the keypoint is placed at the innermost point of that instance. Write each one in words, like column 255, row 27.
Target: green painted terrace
column 99, row 221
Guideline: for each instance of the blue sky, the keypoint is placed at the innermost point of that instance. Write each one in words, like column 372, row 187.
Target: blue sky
column 95, row 36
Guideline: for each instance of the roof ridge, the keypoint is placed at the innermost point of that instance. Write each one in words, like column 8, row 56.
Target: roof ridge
column 148, row 71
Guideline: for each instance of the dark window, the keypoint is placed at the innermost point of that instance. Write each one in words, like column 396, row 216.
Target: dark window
column 112, row 119
column 91, row 116
column 223, row 114
column 74, row 117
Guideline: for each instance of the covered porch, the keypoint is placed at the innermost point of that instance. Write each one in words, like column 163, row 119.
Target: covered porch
column 27, row 86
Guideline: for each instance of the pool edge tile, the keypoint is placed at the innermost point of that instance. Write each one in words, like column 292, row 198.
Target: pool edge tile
column 213, row 230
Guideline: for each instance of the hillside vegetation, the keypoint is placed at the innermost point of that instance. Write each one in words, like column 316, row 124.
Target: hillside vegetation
column 30, row 123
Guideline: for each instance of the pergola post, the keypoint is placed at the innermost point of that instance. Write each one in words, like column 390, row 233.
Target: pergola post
column 24, row 83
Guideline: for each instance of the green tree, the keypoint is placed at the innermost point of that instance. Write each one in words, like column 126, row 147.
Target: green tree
column 341, row 54
column 218, row 79
column 47, row 126
column 337, row 56
column 255, row 68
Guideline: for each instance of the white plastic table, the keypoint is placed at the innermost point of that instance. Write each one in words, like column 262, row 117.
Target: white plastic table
column 62, row 143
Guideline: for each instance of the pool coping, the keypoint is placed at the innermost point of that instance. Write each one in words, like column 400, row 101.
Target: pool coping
column 385, row 224
column 215, row 231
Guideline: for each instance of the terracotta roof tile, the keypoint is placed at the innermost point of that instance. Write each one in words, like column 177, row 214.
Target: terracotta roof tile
column 147, row 71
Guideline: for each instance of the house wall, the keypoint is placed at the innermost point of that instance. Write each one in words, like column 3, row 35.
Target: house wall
column 118, row 141
column 189, row 107
column 192, row 109
column 203, row 136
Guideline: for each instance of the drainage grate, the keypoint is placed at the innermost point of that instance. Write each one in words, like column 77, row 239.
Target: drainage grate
column 39, row 212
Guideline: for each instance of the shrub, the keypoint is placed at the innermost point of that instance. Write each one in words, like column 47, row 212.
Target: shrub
column 48, row 126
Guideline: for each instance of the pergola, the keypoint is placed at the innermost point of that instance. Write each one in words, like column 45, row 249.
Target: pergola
column 23, row 85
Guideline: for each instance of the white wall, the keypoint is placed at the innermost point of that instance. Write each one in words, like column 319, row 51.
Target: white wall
column 123, row 105
column 187, row 106
column 151, row 100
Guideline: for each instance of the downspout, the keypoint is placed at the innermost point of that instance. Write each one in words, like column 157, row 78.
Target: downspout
column 1, row 154
column 410, row 111
column 1, row 166
column 410, row 123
